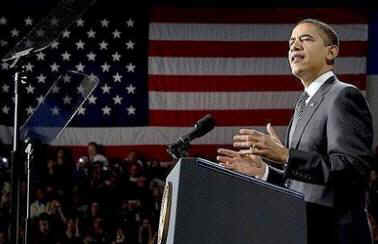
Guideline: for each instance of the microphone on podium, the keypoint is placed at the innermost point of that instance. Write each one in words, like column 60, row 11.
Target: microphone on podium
column 202, row 127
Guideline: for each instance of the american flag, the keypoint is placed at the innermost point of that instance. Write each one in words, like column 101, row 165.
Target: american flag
column 162, row 70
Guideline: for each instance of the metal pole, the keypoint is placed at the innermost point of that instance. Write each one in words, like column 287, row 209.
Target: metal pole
column 27, row 219
column 15, row 222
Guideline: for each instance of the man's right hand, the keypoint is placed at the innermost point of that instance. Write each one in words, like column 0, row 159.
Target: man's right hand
column 248, row 164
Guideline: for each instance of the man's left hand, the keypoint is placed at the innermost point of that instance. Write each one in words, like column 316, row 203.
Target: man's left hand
column 266, row 145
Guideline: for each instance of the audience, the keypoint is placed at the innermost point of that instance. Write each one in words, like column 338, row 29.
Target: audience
column 91, row 200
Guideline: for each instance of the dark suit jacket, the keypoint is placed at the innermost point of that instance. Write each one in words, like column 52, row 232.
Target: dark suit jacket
column 330, row 158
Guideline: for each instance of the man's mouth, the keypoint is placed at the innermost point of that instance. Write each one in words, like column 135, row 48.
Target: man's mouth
column 296, row 57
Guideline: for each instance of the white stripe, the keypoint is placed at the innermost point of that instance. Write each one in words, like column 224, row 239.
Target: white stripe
column 141, row 135
column 240, row 66
column 146, row 135
column 243, row 32
column 222, row 100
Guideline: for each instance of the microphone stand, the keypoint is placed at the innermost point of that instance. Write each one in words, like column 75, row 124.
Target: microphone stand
column 15, row 156
column 29, row 155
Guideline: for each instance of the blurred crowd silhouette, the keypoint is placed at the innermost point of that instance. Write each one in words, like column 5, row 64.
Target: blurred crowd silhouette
column 94, row 199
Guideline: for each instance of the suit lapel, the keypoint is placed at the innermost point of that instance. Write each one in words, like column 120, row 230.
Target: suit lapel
column 288, row 132
column 310, row 109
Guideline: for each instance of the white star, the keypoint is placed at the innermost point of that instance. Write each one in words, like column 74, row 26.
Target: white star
column 54, row 67
column 3, row 21
column 54, row 44
column 66, row 56
column 103, row 45
column 29, row 110
column 3, row 43
column 116, row 56
column 55, row 110
column 80, row 89
column 28, row 21
column 66, row 33
column 116, row 34
column 5, row 109
column 131, row 110
column 30, row 89
column 92, row 99
column 79, row 22
column 67, row 100
column 40, row 99
column 40, row 32
column 130, row 23
column 5, row 88
column 80, row 45
column 93, row 77
column 91, row 56
column 80, row 67
column 105, row 67
column 117, row 77
column 91, row 34
column 81, row 110
column 15, row 32
column 41, row 56
column 130, row 89
column 66, row 78
column 55, row 89
column 29, row 67
column 117, row 99
column 54, row 21
column 130, row 67
column 105, row 88
column 130, row 44
column 41, row 78
column 4, row 66
column 106, row 110
column 104, row 23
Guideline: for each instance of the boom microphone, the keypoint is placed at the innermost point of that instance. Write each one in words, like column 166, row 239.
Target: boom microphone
column 202, row 127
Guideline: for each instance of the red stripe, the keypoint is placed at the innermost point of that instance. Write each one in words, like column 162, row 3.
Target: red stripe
column 258, row 117
column 258, row 15
column 146, row 152
column 240, row 49
column 175, row 83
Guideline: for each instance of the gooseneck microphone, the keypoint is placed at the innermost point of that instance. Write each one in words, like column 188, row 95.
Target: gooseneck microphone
column 202, row 127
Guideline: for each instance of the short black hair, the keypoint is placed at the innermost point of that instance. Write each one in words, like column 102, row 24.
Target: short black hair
column 331, row 35
column 93, row 144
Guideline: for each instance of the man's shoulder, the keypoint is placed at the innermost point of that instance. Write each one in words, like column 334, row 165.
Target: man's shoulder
column 343, row 88
column 344, row 94
column 344, row 84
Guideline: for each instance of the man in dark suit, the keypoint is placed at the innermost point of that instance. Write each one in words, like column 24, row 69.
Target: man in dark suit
column 327, row 153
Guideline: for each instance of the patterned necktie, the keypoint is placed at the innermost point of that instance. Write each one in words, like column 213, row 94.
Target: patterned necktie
column 299, row 108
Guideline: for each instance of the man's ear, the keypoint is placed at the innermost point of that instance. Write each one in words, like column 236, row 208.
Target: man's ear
column 333, row 51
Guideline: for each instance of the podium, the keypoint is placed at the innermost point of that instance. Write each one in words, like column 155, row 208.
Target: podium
column 203, row 203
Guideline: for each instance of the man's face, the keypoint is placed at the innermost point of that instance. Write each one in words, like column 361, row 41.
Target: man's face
column 307, row 51
column 44, row 226
column 91, row 150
